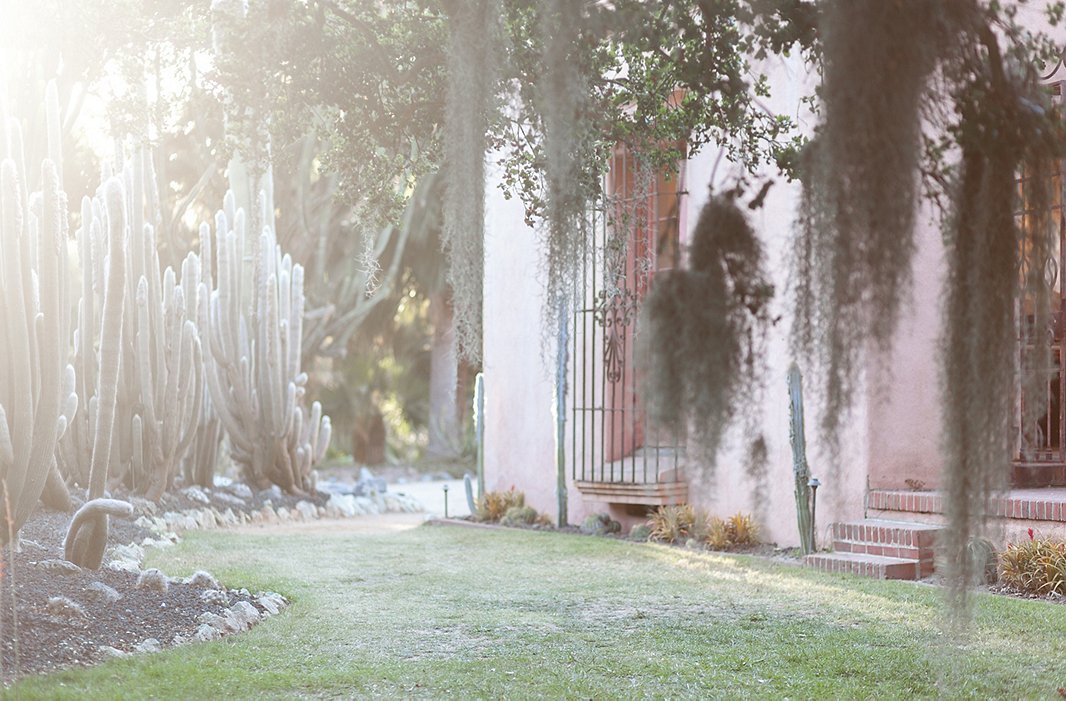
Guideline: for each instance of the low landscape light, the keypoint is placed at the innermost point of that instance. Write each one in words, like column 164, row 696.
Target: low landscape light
column 814, row 484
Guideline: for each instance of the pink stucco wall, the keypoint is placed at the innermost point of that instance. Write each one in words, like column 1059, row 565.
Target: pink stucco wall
column 890, row 435
column 904, row 417
column 519, row 425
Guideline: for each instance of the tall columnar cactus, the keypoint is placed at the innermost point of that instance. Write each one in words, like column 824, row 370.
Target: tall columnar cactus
column 100, row 242
column 254, row 339
column 37, row 399
column 167, row 355
column 800, row 470
column 201, row 459
column 149, row 346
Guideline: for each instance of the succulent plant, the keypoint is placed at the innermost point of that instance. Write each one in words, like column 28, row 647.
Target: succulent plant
column 137, row 346
column 800, row 471
column 37, row 399
column 86, row 538
column 252, row 322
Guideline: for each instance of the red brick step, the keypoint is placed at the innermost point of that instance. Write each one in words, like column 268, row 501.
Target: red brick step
column 876, row 566
column 880, row 548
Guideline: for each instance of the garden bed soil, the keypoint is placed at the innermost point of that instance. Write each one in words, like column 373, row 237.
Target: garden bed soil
column 36, row 637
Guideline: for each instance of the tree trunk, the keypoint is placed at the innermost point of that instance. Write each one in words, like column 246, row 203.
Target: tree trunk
column 445, row 439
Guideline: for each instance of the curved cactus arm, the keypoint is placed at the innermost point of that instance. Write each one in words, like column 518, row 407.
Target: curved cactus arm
column 86, row 537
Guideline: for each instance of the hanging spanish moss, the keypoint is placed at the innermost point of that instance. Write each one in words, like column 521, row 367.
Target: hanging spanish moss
column 564, row 98
column 997, row 293
column 475, row 31
column 860, row 186
column 715, row 315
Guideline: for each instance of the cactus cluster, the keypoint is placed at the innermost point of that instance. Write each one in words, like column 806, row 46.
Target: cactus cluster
column 161, row 361
column 252, row 326
column 37, row 397
column 137, row 346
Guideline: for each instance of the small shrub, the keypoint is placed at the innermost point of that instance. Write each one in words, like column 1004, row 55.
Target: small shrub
column 600, row 524
column 739, row 530
column 519, row 516
column 681, row 523
column 672, row 523
column 743, row 530
column 718, row 536
column 640, row 532
column 493, row 505
column 1037, row 565
column 984, row 560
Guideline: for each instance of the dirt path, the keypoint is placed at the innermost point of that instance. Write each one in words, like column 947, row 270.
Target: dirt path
column 364, row 525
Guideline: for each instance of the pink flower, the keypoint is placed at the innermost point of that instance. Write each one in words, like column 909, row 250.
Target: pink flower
column 1030, row 534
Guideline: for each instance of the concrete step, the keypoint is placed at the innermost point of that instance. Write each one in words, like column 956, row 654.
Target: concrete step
column 876, row 566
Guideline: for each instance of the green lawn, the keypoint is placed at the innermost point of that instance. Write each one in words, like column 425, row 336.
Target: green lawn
column 446, row 612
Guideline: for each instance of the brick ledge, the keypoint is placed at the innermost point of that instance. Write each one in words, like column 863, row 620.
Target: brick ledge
column 1027, row 504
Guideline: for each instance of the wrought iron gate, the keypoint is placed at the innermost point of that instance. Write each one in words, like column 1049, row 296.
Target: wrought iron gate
column 1040, row 422
column 635, row 234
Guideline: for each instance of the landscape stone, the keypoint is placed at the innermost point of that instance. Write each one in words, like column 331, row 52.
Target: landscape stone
column 59, row 566
column 65, row 607
column 368, row 484
column 144, row 506
column 102, row 592
column 148, row 645
column 202, row 580
column 196, row 493
column 273, row 492
column 241, row 491
column 271, row 602
column 124, row 566
column 228, row 498
column 245, row 614
column 130, row 553
column 307, row 510
column 109, row 651
column 153, row 579
column 207, row 633
column 224, row 624
column 216, row 597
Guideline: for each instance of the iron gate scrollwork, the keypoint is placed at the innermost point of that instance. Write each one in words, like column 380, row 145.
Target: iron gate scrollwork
column 611, row 440
column 614, row 313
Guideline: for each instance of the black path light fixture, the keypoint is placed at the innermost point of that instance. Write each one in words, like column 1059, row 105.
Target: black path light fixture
column 814, row 484
column 445, row 501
